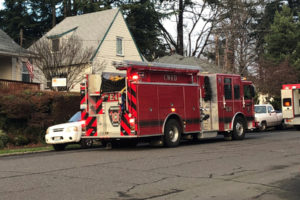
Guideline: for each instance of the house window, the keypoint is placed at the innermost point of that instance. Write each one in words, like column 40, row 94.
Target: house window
column 25, row 73
column 55, row 45
column 120, row 46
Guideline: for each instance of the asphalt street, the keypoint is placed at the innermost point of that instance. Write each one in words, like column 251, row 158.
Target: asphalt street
column 264, row 166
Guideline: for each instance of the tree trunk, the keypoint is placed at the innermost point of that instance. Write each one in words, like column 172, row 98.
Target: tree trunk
column 69, row 11
column 217, row 51
column 53, row 10
column 65, row 8
column 179, row 49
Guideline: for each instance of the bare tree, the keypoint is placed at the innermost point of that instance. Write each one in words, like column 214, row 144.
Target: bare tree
column 269, row 77
column 235, row 31
column 194, row 20
column 70, row 60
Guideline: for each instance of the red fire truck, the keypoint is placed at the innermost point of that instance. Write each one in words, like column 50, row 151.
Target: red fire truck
column 290, row 98
column 166, row 102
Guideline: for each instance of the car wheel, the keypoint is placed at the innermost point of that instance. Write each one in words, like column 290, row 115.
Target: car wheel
column 172, row 133
column 86, row 143
column 239, row 128
column 59, row 147
column 263, row 126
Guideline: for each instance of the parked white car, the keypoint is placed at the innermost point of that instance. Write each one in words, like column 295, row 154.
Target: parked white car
column 266, row 116
column 63, row 134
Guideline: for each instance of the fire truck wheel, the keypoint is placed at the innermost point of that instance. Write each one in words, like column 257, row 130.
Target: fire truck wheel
column 239, row 127
column 86, row 143
column 172, row 133
column 59, row 147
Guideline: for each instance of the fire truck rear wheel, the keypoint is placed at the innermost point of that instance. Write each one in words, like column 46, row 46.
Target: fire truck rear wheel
column 172, row 133
column 239, row 127
column 59, row 147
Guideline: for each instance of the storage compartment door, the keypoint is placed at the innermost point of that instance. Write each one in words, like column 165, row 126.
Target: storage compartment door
column 287, row 103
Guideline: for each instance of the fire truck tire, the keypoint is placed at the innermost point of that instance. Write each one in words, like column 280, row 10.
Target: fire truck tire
column 86, row 143
column 297, row 127
column 172, row 133
column 129, row 143
column 282, row 126
column 239, row 128
column 59, row 147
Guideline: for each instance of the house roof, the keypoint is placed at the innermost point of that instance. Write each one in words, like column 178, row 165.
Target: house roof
column 205, row 67
column 9, row 48
column 91, row 27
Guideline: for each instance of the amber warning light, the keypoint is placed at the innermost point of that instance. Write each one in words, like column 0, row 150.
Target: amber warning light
column 287, row 102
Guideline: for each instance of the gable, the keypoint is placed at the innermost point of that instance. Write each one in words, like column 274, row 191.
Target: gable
column 118, row 29
column 90, row 28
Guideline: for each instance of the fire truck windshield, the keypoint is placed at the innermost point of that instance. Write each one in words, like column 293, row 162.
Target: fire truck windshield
column 112, row 84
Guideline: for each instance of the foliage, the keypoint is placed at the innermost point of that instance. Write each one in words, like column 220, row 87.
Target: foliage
column 283, row 42
column 15, row 19
column 3, row 139
column 25, row 116
column 270, row 77
column 143, row 22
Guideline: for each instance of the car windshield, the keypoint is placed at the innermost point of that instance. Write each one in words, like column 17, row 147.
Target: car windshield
column 260, row 109
column 76, row 117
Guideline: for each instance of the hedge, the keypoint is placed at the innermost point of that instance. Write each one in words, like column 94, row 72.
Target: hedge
column 25, row 115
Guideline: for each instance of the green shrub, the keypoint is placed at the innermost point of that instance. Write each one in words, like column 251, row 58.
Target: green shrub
column 1, row 144
column 26, row 115
column 34, row 134
column 21, row 140
column 3, row 138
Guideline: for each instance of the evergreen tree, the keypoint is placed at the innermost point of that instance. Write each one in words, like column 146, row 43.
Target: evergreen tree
column 143, row 22
column 16, row 21
column 282, row 41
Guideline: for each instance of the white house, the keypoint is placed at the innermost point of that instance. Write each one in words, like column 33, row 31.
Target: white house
column 13, row 60
column 106, row 32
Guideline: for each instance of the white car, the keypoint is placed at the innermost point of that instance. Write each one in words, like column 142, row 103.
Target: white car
column 62, row 134
column 266, row 116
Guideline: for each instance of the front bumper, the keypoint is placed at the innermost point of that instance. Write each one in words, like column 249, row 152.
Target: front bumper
column 61, row 138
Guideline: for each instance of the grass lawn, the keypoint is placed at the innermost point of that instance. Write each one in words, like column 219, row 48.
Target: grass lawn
column 25, row 149
column 20, row 150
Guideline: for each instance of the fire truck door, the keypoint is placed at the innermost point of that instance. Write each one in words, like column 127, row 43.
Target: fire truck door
column 111, row 119
column 227, row 102
column 247, row 101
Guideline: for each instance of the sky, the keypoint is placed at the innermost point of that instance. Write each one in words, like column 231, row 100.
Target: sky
column 1, row 4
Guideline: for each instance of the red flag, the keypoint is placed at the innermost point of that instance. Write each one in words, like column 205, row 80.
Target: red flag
column 30, row 69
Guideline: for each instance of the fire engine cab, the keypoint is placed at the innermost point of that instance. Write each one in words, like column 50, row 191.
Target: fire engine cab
column 290, row 98
column 165, row 101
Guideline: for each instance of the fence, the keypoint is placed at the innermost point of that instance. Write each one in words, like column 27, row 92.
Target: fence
column 18, row 85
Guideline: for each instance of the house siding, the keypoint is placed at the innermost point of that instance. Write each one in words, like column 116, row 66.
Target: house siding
column 5, row 68
column 108, row 50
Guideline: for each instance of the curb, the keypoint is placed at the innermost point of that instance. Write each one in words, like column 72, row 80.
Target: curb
column 23, row 153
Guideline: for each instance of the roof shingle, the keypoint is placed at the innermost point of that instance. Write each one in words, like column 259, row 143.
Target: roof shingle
column 9, row 47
